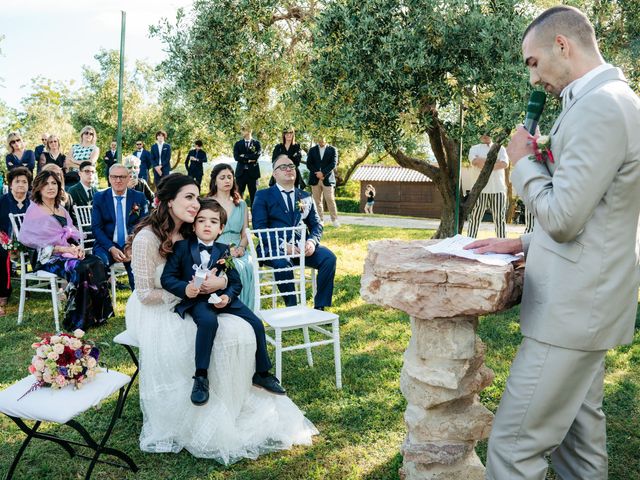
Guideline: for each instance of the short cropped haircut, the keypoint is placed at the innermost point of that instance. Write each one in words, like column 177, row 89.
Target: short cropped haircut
column 198, row 143
column 86, row 163
column 19, row 172
column 564, row 20
column 214, row 206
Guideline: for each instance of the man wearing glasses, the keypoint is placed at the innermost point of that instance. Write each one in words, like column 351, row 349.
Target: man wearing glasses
column 145, row 160
column 116, row 211
column 83, row 191
column 283, row 205
column 39, row 150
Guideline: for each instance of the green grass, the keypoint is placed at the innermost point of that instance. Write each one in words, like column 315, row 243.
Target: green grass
column 361, row 427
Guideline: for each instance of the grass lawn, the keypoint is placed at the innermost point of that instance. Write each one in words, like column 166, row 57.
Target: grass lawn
column 361, row 427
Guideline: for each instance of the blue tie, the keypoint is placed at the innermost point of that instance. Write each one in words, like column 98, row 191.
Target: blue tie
column 120, row 222
column 290, row 204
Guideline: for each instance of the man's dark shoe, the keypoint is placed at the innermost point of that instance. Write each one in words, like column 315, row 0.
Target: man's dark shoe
column 270, row 383
column 200, row 392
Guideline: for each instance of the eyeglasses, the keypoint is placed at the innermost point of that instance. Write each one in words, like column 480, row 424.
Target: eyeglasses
column 53, row 141
column 86, row 170
column 15, row 141
column 286, row 167
column 119, row 177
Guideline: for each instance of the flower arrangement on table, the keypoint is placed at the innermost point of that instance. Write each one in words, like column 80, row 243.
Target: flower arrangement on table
column 63, row 359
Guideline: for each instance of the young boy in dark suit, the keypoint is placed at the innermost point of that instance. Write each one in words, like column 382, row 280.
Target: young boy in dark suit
column 178, row 278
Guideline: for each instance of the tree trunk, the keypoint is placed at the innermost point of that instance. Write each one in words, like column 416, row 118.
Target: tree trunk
column 340, row 180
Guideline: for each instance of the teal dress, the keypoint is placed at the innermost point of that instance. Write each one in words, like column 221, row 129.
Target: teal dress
column 231, row 234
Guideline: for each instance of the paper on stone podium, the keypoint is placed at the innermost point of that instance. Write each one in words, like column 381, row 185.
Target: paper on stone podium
column 453, row 246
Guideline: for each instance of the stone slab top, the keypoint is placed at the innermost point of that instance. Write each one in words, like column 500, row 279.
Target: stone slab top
column 403, row 275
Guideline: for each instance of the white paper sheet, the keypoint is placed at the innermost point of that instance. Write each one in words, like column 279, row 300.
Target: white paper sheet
column 453, row 246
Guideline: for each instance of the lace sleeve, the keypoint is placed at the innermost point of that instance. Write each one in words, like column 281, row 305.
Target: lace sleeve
column 144, row 261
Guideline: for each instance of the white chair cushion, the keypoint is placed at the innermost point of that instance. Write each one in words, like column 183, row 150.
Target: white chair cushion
column 298, row 316
column 60, row 406
column 125, row 338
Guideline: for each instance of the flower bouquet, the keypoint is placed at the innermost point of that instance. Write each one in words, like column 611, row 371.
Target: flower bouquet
column 63, row 359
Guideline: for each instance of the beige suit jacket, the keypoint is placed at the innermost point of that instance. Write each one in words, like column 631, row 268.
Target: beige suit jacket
column 582, row 272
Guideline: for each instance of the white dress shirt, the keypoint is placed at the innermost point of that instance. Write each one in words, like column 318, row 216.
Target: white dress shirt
column 496, row 183
column 285, row 196
column 204, row 255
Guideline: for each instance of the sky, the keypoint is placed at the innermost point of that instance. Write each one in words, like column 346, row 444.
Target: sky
column 54, row 39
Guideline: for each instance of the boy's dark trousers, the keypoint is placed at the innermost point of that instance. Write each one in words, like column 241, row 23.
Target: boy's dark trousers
column 205, row 316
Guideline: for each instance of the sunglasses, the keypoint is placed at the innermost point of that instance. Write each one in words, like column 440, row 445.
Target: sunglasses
column 15, row 141
column 89, row 133
column 138, row 144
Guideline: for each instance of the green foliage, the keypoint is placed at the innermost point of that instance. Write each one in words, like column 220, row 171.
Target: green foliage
column 361, row 427
column 347, row 205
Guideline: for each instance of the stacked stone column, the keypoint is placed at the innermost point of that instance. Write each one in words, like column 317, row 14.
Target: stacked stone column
column 443, row 369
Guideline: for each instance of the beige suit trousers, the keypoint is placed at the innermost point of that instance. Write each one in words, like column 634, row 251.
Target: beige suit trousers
column 552, row 404
column 321, row 190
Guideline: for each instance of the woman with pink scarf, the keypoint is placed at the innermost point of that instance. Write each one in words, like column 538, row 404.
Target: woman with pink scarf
column 47, row 228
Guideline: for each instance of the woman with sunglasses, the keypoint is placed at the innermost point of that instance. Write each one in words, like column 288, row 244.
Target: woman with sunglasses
column 291, row 149
column 80, row 152
column 18, row 156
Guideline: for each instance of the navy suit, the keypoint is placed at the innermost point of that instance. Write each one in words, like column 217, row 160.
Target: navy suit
column 194, row 168
column 103, row 223
column 177, row 274
column 326, row 164
column 110, row 158
column 145, row 163
column 162, row 159
column 270, row 211
column 247, row 168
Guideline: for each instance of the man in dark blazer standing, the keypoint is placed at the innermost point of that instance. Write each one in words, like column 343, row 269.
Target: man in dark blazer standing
column 194, row 161
column 322, row 159
column 247, row 152
column 110, row 157
column 271, row 210
column 83, row 192
column 145, row 160
column 116, row 211
column 39, row 150
column 160, row 157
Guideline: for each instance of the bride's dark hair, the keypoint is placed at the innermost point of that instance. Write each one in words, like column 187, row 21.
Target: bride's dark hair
column 160, row 219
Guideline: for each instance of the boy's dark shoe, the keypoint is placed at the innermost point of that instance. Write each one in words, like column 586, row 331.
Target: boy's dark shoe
column 270, row 383
column 200, row 392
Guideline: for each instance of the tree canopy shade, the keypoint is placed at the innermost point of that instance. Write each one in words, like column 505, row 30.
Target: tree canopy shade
column 397, row 70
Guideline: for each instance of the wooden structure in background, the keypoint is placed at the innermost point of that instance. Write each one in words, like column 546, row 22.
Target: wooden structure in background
column 399, row 191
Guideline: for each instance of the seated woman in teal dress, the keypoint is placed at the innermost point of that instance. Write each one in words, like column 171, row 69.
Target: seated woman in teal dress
column 224, row 189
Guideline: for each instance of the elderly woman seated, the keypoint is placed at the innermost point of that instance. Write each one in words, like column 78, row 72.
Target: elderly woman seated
column 136, row 183
column 48, row 229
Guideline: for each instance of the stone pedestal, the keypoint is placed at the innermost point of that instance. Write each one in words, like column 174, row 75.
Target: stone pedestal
column 443, row 369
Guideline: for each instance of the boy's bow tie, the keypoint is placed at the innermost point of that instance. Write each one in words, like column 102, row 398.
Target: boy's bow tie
column 208, row 248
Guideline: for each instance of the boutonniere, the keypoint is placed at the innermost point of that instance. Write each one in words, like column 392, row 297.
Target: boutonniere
column 135, row 210
column 225, row 262
column 252, row 147
column 541, row 149
column 301, row 205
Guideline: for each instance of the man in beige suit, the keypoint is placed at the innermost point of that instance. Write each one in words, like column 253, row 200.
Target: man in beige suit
column 582, row 271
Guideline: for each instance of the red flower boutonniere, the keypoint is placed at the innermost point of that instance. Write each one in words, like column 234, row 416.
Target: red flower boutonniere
column 135, row 209
column 542, row 149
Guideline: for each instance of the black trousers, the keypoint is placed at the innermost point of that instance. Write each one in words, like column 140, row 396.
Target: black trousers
column 244, row 181
column 205, row 316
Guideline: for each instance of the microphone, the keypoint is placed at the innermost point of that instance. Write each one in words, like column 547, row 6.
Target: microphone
column 534, row 110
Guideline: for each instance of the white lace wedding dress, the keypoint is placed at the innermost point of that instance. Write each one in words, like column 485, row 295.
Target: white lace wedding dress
column 239, row 421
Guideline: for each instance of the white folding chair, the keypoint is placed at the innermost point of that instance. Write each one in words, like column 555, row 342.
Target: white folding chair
column 83, row 216
column 282, row 319
column 38, row 281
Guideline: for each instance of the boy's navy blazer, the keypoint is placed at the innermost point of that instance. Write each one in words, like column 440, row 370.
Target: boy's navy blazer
column 103, row 215
column 270, row 211
column 161, row 158
column 178, row 272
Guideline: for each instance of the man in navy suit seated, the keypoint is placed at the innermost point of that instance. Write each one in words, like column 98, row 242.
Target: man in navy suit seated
column 145, row 160
column 115, row 213
column 282, row 205
column 160, row 157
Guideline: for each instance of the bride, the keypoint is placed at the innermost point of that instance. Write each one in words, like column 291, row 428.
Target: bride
column 239, row 421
